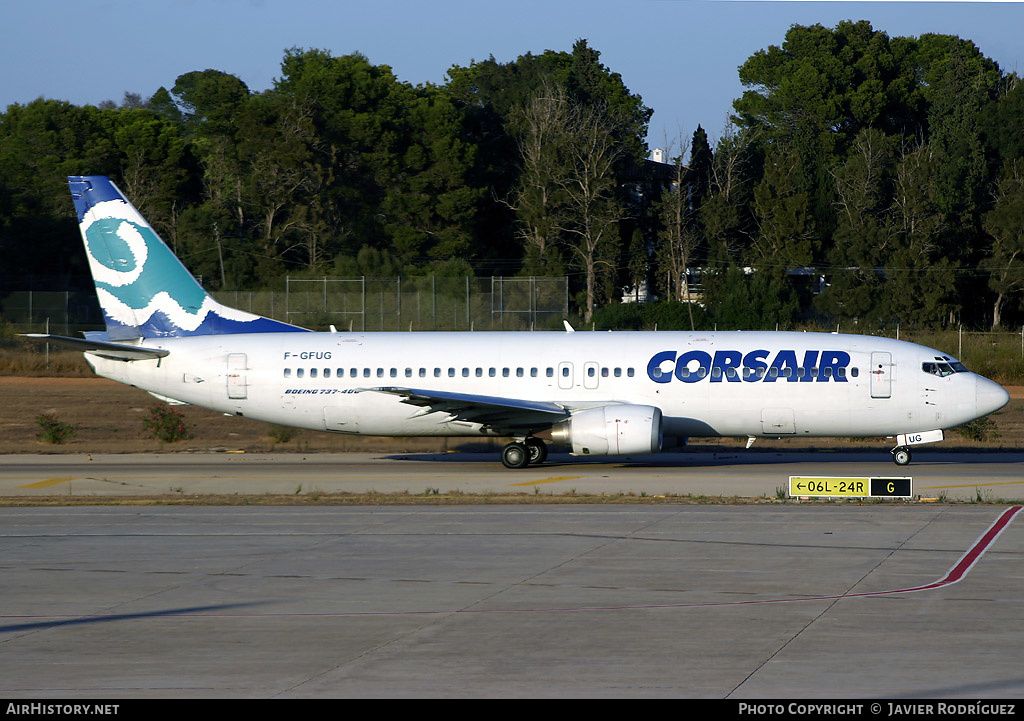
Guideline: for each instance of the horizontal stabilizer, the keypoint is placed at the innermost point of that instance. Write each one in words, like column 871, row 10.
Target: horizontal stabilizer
column 114, row 351
column 170, row 401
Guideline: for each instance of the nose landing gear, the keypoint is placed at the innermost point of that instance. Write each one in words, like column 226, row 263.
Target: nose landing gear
column 900, row 455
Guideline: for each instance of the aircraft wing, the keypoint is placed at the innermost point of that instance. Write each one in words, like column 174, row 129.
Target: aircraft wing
column 509, row 413
column 104, row 349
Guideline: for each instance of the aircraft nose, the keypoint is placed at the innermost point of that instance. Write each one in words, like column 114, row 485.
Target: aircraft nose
column 990, row 396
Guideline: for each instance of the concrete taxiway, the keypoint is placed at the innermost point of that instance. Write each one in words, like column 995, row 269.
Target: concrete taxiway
column 935, row 474
column 763, row 601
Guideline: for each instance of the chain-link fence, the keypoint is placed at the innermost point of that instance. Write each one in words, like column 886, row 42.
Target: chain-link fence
column 60, row 312
column 439, row 303
column 994, row 354
column 358, row 304
column 428, row 303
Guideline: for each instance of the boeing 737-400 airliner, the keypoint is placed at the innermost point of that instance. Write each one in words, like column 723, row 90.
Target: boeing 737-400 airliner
column 600, row 394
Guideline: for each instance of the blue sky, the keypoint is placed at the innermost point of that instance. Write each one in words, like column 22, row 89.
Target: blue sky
column 681, row 56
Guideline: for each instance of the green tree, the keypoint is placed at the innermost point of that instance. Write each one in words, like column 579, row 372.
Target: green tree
column 786, row 232
column 1005, row 256
column 539, row 98
column 725, row 212
column 538, row 198
column 208, row 100
column 1001, row 121
column 589, row 223
column 862, row 238
column 920, row 286
column 679, row 234
column 958, row 81
column 431, row 205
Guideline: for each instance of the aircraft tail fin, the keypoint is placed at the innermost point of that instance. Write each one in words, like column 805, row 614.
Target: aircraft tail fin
column 143, row 289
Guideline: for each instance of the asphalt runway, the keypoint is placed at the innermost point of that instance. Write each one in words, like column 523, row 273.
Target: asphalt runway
column 750, row 474
column 759, row 601
column 763, row 600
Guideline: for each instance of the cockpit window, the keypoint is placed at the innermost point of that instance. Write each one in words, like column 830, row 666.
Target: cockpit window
column 943, row 368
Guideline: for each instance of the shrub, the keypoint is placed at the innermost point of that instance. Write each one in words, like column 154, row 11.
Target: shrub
column 981, row 430
column 166, row 424
column 54, row 430
column 282, row 434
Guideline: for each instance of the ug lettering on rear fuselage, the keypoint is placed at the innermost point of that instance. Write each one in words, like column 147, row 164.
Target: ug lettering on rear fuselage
column 733, row 366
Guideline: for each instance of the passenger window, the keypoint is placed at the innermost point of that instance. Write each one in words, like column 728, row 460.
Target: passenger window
column 491, row 373
column 629, row 372
column 299, row 372
column 479, row 372
column 565, row 372
column 366, row 372
column 519, row 372
column 504, row 372
column 465, row 372
column 550, row 373
column 533, row 372
column 451, row 372
column 618, row 372
column 591, row 372
column 380, row 372
column 854, row 372
column 604, row 372
column 437, row 372
column 312, row 372
column 287, row 372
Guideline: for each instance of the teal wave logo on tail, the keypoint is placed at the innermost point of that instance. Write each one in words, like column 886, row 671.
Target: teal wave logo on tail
column 143, row 289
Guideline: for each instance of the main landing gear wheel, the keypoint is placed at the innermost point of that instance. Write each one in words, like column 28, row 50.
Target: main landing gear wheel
column 538, row 451
column 901, row 456
column 515, row 455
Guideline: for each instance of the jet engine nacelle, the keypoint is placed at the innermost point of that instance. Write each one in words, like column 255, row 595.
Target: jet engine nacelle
column 611, row 431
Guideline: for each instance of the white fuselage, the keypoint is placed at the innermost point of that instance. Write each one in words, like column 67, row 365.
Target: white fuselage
column 706, row 384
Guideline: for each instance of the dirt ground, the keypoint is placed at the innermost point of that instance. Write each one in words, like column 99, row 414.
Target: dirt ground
column 110, row 417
